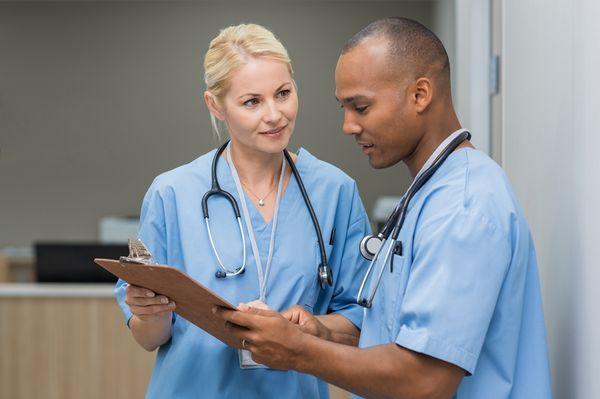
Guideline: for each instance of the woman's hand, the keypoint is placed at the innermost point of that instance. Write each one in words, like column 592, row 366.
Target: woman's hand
column 152, row 314
column 146, row 305
column 307, row 322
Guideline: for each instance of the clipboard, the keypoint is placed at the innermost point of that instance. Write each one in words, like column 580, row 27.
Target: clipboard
column 194, row 302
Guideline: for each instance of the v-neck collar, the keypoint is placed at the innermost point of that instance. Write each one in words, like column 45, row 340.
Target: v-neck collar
column 287, row 202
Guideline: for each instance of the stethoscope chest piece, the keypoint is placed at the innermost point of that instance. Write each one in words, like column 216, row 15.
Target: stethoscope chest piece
column 370, row 245
column 325, row 276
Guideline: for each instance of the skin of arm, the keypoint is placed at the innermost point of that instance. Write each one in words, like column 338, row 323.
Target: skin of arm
column 152, row 315
column 331, row 327
column 383, row 371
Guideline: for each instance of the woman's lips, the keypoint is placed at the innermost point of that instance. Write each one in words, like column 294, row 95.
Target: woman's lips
column 275, row 130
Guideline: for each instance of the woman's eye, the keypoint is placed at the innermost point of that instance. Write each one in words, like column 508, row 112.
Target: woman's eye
column 251, row 102
column 284, row 93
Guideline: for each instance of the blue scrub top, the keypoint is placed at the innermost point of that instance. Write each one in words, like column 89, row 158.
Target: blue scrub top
column 192, row 363
column 465, row 289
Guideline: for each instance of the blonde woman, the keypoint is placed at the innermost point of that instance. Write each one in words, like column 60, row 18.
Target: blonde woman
column 295, row 241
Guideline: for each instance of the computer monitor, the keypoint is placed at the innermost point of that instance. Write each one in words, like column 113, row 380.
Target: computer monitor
column 74, row 262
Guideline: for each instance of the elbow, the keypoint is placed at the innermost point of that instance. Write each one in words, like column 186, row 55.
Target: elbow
column 424, row 388
column 429, row 388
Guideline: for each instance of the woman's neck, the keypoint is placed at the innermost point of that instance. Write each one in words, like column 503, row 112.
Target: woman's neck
column 256, row 169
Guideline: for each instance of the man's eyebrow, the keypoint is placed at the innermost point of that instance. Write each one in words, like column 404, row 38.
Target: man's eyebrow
column 352, row 99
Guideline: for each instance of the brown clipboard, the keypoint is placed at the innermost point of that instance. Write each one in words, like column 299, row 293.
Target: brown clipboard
column 194, row 302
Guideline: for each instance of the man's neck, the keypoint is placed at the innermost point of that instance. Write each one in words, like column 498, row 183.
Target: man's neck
column 430, row 140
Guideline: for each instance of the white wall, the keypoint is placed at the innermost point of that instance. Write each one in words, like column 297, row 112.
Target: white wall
column 550, row 142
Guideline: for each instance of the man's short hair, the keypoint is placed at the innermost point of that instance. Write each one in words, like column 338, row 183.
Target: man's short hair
column 412, row 47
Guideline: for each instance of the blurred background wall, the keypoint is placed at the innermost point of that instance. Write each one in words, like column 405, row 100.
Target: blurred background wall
column 551, row 102
column 97, row 98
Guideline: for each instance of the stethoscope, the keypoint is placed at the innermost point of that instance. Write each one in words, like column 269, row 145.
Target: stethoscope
column 372, row 245
column 324, row 273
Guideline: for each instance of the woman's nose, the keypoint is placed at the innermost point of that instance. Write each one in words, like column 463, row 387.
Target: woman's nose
column 272, row 113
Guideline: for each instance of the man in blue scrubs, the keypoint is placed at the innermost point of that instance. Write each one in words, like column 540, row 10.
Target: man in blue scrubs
column 460, row 313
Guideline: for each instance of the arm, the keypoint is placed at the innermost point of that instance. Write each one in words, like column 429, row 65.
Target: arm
column 331, row 327
column 385, row 371
column 150, row 323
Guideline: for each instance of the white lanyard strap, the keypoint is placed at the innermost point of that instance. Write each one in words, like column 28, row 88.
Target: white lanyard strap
column 262, row 278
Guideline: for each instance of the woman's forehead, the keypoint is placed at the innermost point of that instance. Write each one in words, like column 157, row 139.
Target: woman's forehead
column 259, row 75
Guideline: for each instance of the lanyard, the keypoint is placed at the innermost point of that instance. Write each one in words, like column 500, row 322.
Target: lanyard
column 262, row 278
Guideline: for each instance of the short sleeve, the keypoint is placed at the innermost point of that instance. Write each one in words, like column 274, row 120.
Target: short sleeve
column 352, row 264
column 153, row 235
column 459, row 264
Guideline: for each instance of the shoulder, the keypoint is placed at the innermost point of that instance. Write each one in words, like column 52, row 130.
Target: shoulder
column 319, row 172
column 194, row 173
column 470, row 182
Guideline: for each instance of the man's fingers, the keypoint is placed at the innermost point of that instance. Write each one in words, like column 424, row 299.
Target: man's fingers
column 260, row 312
column 234, row 316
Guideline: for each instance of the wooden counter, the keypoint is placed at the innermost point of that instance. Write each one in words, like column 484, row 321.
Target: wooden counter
column 63, row 341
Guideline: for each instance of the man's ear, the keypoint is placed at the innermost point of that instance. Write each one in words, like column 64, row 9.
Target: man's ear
column 213, row 106
column 422, row 94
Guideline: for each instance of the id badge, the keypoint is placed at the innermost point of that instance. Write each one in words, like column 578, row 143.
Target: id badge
column 245, row 356
column 246, row 361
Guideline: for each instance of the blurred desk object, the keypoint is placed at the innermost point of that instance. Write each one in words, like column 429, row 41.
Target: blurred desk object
column 67, row 341
column 17, row 265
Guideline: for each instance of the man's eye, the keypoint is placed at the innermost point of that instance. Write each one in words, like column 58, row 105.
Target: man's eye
column 251, row 102
column 361, row 110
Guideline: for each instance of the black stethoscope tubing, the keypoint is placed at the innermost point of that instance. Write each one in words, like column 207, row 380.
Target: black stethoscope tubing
column 394, row 223
column 325, row 275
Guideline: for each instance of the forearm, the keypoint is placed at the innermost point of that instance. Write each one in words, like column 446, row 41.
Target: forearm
column 151, row 333
column 385, row 371
column 341, row 330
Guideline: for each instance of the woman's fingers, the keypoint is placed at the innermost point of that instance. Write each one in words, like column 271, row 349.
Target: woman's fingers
column 152, row 309
column 139, row 292
column 140, row 301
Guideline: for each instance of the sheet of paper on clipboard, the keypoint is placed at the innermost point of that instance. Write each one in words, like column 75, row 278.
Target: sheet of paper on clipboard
column 194, row 301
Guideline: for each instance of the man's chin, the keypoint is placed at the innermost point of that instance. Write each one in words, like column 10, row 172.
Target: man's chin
column 378, row 163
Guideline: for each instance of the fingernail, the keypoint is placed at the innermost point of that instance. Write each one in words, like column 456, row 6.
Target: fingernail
column 164, row 300
column 172, row 304
column 150, row 293
column 214, row 310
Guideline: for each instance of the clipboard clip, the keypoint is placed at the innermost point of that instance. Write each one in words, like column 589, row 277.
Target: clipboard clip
column 138, row 253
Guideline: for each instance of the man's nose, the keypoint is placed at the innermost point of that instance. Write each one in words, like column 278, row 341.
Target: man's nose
column 350, row 126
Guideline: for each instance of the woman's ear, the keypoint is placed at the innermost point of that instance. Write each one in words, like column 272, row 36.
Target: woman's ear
column 213, row 106
column 423, row 94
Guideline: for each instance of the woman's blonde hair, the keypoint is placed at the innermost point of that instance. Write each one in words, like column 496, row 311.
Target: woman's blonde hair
column 231, row 49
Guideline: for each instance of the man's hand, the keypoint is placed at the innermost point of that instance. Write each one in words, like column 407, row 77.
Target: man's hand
column 273, row 340
column 307, row 322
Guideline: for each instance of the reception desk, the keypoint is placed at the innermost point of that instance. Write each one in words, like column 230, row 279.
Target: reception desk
column 68, row 341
